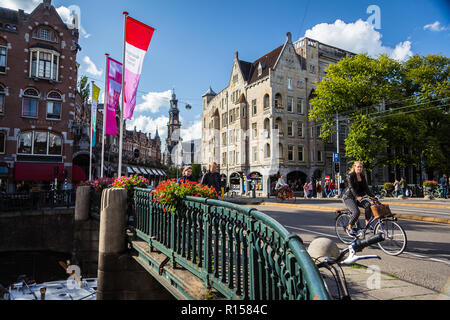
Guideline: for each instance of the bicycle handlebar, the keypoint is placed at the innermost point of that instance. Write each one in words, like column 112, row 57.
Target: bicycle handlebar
column 359, row 245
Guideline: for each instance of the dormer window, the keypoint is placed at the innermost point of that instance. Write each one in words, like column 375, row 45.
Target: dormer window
column 261, row 67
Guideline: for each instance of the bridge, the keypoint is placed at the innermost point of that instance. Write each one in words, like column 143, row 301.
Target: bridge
column 202, row 249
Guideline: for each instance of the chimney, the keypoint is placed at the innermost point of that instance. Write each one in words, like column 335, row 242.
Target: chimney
column 288, row 37
column 47, row 3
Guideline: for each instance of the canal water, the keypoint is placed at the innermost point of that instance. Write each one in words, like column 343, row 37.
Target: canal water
column 41, row 266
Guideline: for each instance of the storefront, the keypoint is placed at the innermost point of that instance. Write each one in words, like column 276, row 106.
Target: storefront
column 235, row 182
column 35, row 176
column 255, row 181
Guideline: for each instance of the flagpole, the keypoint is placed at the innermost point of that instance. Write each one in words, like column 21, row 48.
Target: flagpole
column 123, row 94
column 104, row 116
column 91, row 133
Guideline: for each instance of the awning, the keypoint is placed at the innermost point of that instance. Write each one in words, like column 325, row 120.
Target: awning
column 130, row 170
column 137, row 170
column 163, row 173
column 144, row 171
column 31, row 171
column 4, row 169
column 78, row 174
column 159, row 172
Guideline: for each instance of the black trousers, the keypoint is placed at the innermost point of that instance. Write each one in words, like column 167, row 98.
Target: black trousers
column 353, row 205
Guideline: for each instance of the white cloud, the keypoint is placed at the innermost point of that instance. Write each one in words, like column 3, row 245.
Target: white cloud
column 149, row 125
column 436, row 27
column 26, row 5
column 91, row 67
column 357, row 37
column 193, row 132
column 67, row 15
column 154, row 101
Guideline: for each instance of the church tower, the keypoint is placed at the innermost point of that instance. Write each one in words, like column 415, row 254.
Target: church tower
column 173, row 134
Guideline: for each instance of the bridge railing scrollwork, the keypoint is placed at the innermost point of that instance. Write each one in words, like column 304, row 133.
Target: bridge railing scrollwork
column 241, row 252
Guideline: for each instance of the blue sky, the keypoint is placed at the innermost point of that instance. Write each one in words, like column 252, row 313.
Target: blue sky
column 194, row 44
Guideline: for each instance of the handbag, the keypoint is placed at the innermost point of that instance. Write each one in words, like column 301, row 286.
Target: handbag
column 380, row 210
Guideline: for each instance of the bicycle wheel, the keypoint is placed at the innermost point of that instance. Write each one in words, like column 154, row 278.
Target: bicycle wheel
column 342, row 222
column 279, row 196
column 331, row 283
column 395, row 237
column 291, row 197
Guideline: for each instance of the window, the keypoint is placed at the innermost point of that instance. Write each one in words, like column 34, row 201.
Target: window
column 30, row 103
column 2, row 142
column 290, row 129
column 45, row 34
column 224, row 118
column 291, row 153
column 231, row 157
column 300, row 129
column 280, row 151
column 289, row 83
column 237, row 158
column 224, row 138
column 224, row 158
column 2, row 100
column 254, row 107
column 3, row 53
column 39, row 143
column 54, row 101
column 278, row 101
column 255, row 154
column 266, row 102
column 44, row 64
column 319, row 156
column 300, row 153
column 254, row 130
column 312, row 68
column 318, row 131
column 267, row 151
column 300, row 84
column 290, row 104
column 300, row 106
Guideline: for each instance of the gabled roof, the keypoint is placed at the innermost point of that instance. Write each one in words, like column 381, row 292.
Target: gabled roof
column 9, row 16
column 210, row 92
column 269, row 60
column 246, row 68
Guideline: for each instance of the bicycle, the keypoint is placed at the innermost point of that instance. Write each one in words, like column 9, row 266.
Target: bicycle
column 396, row 240
column 285, row 193
column 387, row 193
column 331, row 270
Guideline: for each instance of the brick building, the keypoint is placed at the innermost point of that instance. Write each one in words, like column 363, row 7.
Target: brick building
column 38, row 96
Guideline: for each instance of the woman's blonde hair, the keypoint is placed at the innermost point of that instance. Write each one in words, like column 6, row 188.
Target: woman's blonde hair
column 352, row 170
column 186, row 169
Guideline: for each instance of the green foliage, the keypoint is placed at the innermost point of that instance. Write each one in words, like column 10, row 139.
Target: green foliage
column 414, row 125
column 84, row 89
column 196, row 171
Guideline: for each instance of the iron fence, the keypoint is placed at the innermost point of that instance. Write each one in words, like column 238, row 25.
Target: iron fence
column 36, row 200
column 241, row 252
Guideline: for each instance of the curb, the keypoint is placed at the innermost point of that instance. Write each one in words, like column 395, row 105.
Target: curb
column 330, row 209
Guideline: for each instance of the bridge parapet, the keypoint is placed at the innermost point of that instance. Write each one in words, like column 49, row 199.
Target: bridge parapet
column 240, row 252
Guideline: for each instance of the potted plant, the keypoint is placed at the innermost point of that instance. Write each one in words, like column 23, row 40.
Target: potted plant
column 389, row 186
column 429, row 186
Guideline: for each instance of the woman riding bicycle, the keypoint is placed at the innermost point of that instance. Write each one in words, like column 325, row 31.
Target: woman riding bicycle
column 357, row 188
column 281, row 183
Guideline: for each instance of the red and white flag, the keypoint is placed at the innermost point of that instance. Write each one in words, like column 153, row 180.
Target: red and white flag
column 138, row 37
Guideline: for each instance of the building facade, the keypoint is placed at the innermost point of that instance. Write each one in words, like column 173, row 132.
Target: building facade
column 258, row 128
column 38, row 97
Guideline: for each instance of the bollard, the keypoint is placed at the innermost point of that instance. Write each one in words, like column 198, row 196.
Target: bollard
column 82, row 202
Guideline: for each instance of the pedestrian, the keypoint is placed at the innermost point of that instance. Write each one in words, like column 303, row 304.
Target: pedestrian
column 403, row 186
column 397, row 188
column 444, row 185
column 326, row 186
column 331, row 189
column 319, row 190
column 305, row 190
column 186, row 175
column 310, row 189
column 212, row 179
column 341, row 188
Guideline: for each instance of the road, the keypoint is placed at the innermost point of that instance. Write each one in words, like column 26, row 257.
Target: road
column 425, row 262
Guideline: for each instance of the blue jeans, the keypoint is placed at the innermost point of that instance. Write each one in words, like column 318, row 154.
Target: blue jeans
column 444, row 192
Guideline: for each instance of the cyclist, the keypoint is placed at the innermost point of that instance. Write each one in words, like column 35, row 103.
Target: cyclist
column 281, row 184
column 357, row 188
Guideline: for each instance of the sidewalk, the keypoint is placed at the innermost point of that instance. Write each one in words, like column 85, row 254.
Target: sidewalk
column 364, row 284
column 332, row 205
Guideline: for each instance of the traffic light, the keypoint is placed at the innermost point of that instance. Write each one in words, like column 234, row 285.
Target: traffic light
column 336, row 167
column 64, row 173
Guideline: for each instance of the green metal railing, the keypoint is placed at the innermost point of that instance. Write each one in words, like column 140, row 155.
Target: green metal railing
column 241, row 252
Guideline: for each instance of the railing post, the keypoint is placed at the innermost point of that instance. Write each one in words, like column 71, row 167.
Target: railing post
column 82, row 203
column 252, row 264
column 207, row 238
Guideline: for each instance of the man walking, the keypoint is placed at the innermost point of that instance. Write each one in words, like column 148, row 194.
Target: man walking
column 403, row 186
column 212, row 178
column 444, row 185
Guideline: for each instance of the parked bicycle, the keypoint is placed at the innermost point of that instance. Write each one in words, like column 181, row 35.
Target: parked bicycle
column 285, row 193
column 395, row 236
column 331, row 270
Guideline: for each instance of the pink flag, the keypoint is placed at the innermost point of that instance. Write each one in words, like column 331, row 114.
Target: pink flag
column 113, row 89
column 138, row 37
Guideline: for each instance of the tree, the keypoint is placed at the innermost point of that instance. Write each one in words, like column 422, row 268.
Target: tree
column 398, row 112
column 84, row 89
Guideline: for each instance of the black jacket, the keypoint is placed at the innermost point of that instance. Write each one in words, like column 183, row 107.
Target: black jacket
column 212, row 180
column 350, row 192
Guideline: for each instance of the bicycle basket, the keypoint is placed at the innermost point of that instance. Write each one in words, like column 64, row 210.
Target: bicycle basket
column 380, row 210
